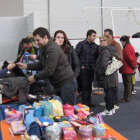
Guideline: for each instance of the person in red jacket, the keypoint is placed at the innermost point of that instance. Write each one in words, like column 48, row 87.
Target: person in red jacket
column 129, row 64
column 138, row 65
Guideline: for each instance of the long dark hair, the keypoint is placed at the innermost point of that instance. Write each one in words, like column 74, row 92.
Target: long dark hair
column 66, row 41
column 124, row 38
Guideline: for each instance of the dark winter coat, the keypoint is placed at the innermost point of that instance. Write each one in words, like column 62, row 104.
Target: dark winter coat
column 73, row 60
column 13, row 86
column 100, row 79
column 54, row 65
column 129, row 61
column 87, row 53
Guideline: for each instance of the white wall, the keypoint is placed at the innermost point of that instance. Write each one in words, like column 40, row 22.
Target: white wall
column 125, row 21
column 68, row 15
column 32, row 22
column 10, row 8
column 40, row 6
column 12, row 30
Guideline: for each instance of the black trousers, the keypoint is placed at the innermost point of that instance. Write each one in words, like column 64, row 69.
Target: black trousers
column 86, row 77
column 133, row 87
column 67, row 92
column 79, row 84
column 110, row 98
column 116, row 96
column 127, row 82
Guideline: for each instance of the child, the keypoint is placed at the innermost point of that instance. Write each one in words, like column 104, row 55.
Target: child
column 137, row 55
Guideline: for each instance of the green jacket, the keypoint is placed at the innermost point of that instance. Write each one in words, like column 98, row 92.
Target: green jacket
column 54, row 65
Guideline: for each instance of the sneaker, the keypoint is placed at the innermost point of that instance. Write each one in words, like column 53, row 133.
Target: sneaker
column 133, row 93
column 116, row 107
column 113, row 110
column 106, row 112
column 102, row 104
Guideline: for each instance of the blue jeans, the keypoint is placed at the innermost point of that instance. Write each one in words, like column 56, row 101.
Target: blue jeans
column 67, row 92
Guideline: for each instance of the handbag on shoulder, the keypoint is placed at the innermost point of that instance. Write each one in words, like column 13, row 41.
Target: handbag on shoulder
column 114, row 66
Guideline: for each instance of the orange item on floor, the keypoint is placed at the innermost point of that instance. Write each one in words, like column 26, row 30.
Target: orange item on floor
column 6, row 135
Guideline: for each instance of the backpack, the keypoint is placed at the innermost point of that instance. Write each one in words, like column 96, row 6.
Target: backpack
column 26, row 60
column 47, row 108
column 57, row 108
column 38, row 109
column 32, row 126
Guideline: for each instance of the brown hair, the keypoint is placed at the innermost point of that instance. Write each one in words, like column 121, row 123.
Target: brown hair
column 106, row 38
column 41, row 32
column 66, row 41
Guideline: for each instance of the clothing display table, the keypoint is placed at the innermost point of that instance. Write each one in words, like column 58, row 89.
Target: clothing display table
column 6, row 135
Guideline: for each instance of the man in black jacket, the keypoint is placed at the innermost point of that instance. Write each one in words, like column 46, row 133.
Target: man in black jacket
column 88, row 52
column 54, row 66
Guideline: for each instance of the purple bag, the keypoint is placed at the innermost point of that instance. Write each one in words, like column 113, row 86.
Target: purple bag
column 85, row 132
column 11, row 116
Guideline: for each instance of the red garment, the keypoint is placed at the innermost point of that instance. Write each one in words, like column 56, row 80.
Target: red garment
column 129, row 61
column 139, row 66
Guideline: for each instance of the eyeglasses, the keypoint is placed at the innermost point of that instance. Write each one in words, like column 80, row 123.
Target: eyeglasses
column 102, row 40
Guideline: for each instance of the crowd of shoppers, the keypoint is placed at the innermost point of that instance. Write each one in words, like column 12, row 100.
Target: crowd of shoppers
column 60, row 65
